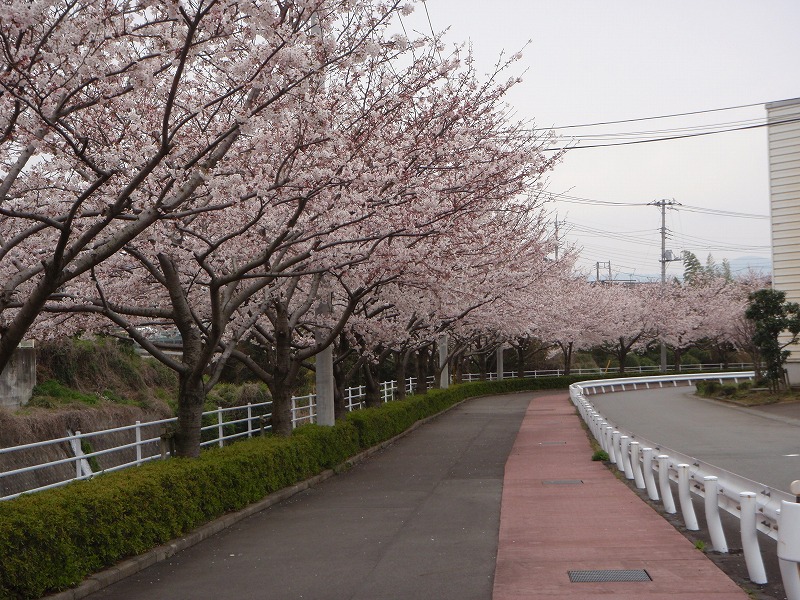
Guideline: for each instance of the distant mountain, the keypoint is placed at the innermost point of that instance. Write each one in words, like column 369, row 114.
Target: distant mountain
column 739, row 266
column 756, row 263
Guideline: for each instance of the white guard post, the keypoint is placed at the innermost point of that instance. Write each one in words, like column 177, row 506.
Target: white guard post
column 663, row 484
column 685, row 497
column 638, row 478
column 648, row 455
column 789, row 544
column 712, row 514
column 752, row 552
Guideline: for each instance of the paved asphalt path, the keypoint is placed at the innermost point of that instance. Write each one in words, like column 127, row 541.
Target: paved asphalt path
column 762, row 445
column 418, row 520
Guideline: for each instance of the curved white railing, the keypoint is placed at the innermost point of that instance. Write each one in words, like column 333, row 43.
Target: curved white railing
column 652, row 467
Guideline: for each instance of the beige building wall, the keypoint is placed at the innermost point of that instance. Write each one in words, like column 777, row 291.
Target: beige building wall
column 784, row 190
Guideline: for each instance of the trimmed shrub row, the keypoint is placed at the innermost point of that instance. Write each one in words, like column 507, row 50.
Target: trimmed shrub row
column 715, row 389
column 52, row 540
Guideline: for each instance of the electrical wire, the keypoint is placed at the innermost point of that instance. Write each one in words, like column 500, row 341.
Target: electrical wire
column 578, row 200
column 721, row 213
column 668, row 116
column 555, row 196
column 672, row 137
column 672, row 130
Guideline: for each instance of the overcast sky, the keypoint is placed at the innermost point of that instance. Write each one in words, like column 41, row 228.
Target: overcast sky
column 591, row 61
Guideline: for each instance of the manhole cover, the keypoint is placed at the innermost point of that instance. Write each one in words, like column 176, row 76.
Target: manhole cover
column 561, row 481
column 609, row 575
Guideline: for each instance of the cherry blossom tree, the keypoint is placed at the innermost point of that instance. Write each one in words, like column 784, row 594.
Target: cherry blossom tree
column 630, row 321
column 708, row 309
column 479, row 292
column 361, row 170
column 572, row 317
column 118, row 117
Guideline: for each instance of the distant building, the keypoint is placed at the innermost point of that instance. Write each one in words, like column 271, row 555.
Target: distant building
column 784, row 192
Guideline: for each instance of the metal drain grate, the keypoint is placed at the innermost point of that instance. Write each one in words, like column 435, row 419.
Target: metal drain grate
column 609, row 575
column 561, row 481
column 552, row 443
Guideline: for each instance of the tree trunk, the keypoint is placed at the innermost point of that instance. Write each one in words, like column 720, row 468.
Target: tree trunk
column 401, row 362
column 482, row 368
column 281, row 408
column 422, row 375
column 282, row 382
column 373, row 390
column 433, row 367
column 191, row 398
column 677, row 353
column 622, row 353
column 15, row 330
column 339, row 404
column 458, row 365
column 520, row 349
column 567, row 351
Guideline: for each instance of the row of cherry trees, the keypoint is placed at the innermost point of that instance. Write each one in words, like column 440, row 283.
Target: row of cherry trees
column 629, row 318
column 258, row 175
column 273, row 178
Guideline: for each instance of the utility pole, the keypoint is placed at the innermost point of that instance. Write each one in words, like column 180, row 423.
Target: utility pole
column 603, row 265
column 663, row 204
column 556, row 237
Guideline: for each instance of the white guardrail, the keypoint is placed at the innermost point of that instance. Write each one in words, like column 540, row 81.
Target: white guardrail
column 652, row 467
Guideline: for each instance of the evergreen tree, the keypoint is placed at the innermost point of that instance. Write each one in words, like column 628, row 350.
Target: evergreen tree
column 772, row 316
column 692, row 268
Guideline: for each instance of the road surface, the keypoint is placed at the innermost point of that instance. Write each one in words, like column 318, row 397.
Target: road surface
column 759, row 444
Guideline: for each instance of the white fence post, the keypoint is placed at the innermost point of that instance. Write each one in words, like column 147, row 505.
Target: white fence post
column 219, row 426
column 625, row 448
column 615, row 435
column 685, row 497
column 612, row 455
column 138, row 432
column 636, row 466
column 789, row 545
column 249, row 419
column 712, row 514
column 663, row 484
column 601, row 437
column 752, row 552
column 82, row 467
column 78, row 452
column 649, row 480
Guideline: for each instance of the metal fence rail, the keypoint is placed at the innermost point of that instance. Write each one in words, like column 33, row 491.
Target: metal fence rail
column 652, row 467
column 72, row 457
column 696, row 368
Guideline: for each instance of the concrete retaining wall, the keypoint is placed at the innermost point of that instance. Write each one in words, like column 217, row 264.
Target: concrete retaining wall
column 18, row 378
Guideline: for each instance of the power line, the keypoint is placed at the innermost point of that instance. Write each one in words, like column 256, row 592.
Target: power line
column 651, row 132
column 674, row 137
column 555, row 196
column 723, row 213
column 578, row 200
column 683, row 114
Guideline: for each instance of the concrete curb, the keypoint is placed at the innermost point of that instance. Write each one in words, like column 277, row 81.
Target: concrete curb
column 131, row 566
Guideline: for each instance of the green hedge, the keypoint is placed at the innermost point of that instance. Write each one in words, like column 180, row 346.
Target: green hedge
column 52, row 540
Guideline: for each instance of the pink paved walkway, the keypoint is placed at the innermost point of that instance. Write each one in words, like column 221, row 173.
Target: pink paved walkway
column 548, row 529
